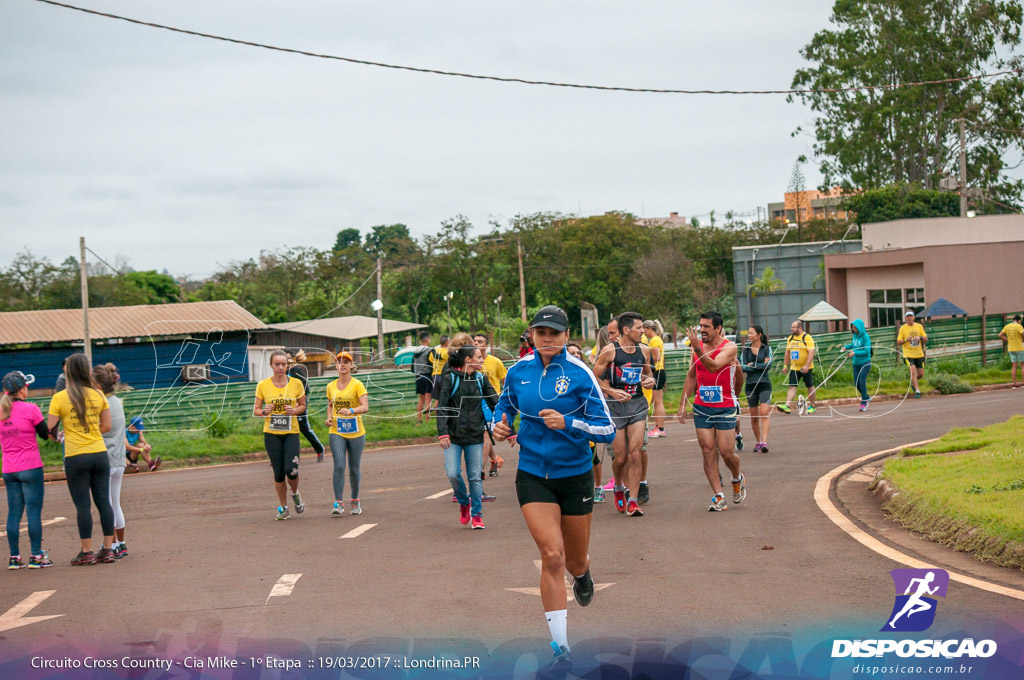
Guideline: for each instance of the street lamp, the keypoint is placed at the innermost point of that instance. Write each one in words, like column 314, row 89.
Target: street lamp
column 448, row 301
column 497, row 301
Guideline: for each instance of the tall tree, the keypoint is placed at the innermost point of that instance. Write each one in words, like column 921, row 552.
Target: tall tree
column 871, row 138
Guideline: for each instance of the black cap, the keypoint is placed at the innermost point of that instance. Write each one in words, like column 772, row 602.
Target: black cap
column 551, row 317
column 15, row 380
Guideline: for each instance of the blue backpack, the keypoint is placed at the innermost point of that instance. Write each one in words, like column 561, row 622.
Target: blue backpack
column 488, row 414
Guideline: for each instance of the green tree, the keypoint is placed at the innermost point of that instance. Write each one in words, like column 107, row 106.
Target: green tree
column 766, row 283
column 901, row 202
column 347, row 238
column 158, row 287
column 867, row 139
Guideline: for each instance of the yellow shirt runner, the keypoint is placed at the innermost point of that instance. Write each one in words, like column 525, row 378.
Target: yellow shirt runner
column 912, row 335
column 76, row 439
column 344, row 424
column 278, row 422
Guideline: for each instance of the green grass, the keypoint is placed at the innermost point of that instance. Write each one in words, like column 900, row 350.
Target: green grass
column 973, row 500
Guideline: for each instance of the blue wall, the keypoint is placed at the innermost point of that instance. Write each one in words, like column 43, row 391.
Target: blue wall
column 142, row 365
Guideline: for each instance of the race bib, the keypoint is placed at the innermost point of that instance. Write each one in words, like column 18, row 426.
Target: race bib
column 794, row 355
column 711, row 394
column 915, row 341
column 348, row 425
column 631, row 374
column 280, row 423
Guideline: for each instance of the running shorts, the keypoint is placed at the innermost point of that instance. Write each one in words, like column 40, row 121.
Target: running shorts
column 659, row 379
column 715, row 418
column 795, row 377
column 573, row 495
column 424, row 385
column 1016, row 357
column 759, row 393
column 917, row 362
column 627, row 412
column 283, row 451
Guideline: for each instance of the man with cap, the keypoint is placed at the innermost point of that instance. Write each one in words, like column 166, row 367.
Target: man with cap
column 912, row 339
column 562, row 411
column 137, row 444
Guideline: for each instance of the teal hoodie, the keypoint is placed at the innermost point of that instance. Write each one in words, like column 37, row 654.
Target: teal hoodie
column 861, row 344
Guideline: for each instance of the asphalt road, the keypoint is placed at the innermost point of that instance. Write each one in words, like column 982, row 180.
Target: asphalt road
column 206, row 552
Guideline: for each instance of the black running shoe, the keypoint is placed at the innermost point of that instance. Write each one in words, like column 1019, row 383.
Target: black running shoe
column 644, row 495
column 83, row 559
column 583, row 589
column 105, row 555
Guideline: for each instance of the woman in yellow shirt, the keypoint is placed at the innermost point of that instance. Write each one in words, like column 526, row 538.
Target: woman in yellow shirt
column 279, row 399
column 346, row 402
column 652, row 336
column 83, row 412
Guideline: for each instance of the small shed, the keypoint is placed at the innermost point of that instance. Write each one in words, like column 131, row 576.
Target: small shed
column 152, row 345
column 335, row 334
column 941, row 307
column 826, row 313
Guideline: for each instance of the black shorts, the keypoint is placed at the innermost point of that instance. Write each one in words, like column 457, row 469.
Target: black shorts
column 759, row 393
column 435, row 388
column 283, row 451
column 573, row 495
column 917, row 363
column 796, row 376
column 424, row 385
column 659, row 379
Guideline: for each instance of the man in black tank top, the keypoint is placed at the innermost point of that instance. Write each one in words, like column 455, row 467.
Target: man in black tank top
column 623, row 369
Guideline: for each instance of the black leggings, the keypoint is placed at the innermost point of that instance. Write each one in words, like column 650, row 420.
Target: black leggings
column 283, row 451
column 307, row 431
column 90, row 472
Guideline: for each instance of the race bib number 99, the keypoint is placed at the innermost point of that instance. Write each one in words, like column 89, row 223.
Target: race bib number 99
column 280, row 423
column 711, row 394
column 348, row 425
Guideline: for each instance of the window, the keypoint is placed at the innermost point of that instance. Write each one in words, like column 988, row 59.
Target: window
column 885, row 307
column 914, row 298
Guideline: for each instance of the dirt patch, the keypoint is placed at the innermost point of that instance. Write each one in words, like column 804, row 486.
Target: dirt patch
column 913, row 514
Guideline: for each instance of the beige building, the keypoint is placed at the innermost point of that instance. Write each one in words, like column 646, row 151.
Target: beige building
column 908, row 264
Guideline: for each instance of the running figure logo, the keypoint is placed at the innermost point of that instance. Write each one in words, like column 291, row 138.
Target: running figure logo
column 914, row 610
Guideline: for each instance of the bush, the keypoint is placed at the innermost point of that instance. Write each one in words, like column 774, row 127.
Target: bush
column 958, row 366
column 217, row 425
column 950, row 384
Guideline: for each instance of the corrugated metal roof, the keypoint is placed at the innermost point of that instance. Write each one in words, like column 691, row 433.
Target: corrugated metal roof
column 823, row 311
column 347, row 327
column 64, row 325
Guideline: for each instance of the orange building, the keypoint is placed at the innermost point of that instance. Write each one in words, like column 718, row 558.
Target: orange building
column 802, row 206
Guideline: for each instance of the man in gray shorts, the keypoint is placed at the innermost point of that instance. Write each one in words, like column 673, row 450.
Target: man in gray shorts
column 622, row 369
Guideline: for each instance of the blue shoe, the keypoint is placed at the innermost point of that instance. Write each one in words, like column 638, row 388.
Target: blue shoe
column 561, row 664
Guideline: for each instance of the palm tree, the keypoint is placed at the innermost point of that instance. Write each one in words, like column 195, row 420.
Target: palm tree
column 767, row 283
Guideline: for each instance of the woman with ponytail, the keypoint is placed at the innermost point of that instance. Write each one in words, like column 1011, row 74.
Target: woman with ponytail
column 20, row 422
column 84, row 413
column 107, row 379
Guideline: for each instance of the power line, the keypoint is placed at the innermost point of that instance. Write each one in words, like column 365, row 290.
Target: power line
column 116, row 271
column 522, row 81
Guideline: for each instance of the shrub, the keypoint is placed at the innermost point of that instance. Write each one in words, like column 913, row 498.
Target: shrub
column 958, row 366
column 949, row 384
column 217, row 425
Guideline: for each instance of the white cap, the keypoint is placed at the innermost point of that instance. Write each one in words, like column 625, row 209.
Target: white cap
column 909, row 314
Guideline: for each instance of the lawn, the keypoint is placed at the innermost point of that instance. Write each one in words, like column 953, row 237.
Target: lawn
column 966, row 490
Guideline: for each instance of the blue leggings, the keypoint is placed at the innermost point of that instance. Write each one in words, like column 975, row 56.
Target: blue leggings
column 860, row 377
column 25, row 491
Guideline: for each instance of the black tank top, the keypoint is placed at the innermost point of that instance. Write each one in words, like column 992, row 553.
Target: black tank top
column 626, row 371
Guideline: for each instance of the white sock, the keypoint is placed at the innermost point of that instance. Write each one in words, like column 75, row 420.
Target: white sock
column 557, row 626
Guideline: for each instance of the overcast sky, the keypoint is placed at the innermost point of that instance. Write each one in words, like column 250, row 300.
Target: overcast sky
column 187, row 153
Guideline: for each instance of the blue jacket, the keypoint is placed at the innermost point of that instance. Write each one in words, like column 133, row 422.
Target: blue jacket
column 567, row 386
column 861, row 344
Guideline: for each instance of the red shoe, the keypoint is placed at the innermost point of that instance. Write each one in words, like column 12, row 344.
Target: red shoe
column 156, row 464
column 620, row 500
column 83, row 559
column 464, row 514
column 478, row 522
column 634, row 510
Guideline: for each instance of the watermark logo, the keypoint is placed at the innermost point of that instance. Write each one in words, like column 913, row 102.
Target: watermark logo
column 916, row 604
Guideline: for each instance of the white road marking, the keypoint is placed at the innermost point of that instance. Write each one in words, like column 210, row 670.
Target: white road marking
column 825, row 503
column 45, row 523
column 359, row 531
column 446, row 492
column 284, row 586
column 15, row 616
column 568, row 586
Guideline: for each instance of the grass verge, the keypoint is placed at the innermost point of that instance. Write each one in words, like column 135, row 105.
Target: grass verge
column 965, row 490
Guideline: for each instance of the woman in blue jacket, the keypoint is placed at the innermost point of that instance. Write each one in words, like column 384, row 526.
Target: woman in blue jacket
column 562, row 410
column 860, row 352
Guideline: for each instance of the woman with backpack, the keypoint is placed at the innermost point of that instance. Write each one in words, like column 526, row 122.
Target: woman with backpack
column 463, row 417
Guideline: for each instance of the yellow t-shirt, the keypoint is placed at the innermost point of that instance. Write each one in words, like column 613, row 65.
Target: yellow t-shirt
column 280, row 398
column 658, row 344
column 797, row 349
column 76, row 439
column 495, row 371
column 912, row 335
column 1014, row 337
column 438, row 358
column 347, row 426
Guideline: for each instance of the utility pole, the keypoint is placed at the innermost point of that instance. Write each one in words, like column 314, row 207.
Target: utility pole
column 380, row 315
column 963, row 169
column 85, row 302
column 522, row 281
